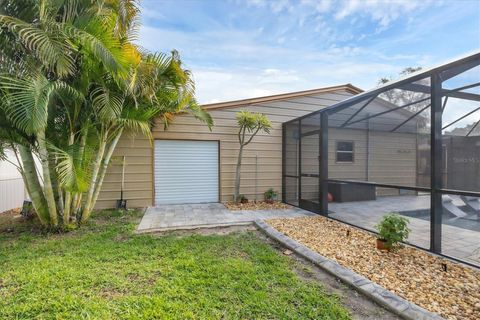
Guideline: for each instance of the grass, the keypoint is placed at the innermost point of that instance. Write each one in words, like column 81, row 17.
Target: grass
column 105, row 271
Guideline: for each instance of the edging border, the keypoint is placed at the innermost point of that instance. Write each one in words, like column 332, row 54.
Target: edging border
column 377, row 293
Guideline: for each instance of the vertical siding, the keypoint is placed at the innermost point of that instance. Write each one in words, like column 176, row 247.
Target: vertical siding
column 266, row 149
column 12, row 193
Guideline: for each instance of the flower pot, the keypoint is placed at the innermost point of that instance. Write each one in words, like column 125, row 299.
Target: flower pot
column 382, row 245
column 244, row 200
column 269, row 201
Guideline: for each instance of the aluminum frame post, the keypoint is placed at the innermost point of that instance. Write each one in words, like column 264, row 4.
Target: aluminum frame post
column 436, row 205
column 323, row 164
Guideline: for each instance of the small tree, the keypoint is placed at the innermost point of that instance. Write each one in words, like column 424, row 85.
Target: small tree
column 249, row 125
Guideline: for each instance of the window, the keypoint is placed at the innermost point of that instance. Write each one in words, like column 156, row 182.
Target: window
column 344, row 151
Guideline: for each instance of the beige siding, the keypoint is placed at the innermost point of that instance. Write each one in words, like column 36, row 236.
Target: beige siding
column 138, row 174
column 262, row 160
column 390, row 158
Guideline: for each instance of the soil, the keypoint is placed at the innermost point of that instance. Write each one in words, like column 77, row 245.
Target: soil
column 412, row 274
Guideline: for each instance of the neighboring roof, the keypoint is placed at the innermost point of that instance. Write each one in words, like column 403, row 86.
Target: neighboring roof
column 347, row 87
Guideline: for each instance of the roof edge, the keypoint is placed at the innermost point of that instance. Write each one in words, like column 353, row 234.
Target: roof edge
column 243, row 102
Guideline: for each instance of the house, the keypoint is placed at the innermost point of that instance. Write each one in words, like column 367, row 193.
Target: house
column 188, row 163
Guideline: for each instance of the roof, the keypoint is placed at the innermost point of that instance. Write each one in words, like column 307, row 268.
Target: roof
column 244, row 102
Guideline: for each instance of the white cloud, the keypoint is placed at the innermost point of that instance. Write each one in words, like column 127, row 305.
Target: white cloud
column 381, row 11
column 295, row 51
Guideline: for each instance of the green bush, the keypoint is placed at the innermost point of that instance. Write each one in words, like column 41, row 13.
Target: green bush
column 393, row 229
column 270, row 194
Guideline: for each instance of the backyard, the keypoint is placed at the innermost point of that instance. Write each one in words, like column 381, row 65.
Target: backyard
column 104, row 270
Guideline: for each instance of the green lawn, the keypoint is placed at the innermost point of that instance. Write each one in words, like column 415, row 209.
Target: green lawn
column 105, row 271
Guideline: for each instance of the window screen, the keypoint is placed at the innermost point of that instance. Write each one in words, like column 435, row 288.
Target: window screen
column 344, row 151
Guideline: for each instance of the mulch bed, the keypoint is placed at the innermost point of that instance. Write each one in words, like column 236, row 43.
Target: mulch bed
column 412, row 274
column 256, row 205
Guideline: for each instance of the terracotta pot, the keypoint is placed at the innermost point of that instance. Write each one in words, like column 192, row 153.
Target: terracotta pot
column 382, row 245
column 270, row 201
column 244, row 200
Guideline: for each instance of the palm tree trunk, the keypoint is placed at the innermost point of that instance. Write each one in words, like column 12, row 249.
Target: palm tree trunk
column 77, row 198
column 57, row 190
column 87, row 209
column 237, row 175
column 68, row 195
column 104, row 167
column 32, row 183
column 47, row 182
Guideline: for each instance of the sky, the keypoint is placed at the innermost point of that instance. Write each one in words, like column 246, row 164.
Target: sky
column 240, row 49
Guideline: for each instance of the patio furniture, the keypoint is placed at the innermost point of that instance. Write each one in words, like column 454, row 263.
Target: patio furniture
column 347, row 192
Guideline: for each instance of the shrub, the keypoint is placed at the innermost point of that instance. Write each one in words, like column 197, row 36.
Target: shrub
column 242, row 198
column 393, row 229
column 270, row 195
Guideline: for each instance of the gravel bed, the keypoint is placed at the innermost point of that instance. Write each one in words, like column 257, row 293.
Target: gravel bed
column 410, row 273
column 256, row 205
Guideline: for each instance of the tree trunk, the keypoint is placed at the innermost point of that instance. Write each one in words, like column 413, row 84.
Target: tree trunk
column 34, row 188
column 68, row 195
column 77, row 199
column 57, row 190
column 47, row 182
column 96, row 167
column 104, row 167
column 237, row 175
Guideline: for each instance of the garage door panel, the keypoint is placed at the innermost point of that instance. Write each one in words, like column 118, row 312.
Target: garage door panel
column 186, row 171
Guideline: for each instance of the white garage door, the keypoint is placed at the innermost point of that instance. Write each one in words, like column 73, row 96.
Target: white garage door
column 186, row 171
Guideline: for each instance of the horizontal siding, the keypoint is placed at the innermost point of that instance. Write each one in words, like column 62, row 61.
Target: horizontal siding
column 391, row 160
column 138, row 174
column 256, row 179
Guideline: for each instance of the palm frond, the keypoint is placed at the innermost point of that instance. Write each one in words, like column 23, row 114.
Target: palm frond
column 103, row 47
column 138, row 120
column 107, row 104
column 72, row 166
column 201, row 114
column 49, row 47
column 27, row 100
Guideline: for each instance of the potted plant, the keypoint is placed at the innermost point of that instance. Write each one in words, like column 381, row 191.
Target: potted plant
column 242, row 198
column 270, row 195
column 392, row 230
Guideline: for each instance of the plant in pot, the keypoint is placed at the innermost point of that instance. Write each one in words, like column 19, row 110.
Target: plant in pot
column 242, row 198
column 270, row 195
column 392, row 230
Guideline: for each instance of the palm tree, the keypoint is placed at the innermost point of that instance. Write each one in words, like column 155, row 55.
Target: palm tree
column 71, row 82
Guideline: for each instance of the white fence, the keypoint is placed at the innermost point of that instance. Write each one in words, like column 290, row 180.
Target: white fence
column 12, row 193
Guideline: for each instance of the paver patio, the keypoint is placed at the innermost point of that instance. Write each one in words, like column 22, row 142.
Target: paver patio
column 456, row 242
column 190, row 216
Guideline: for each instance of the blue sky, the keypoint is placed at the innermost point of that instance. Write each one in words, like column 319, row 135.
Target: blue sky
column 246, row 48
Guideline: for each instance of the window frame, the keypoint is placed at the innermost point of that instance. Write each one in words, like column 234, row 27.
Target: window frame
column 342, row 151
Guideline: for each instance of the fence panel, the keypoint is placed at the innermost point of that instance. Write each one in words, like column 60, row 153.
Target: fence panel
column 12, row 193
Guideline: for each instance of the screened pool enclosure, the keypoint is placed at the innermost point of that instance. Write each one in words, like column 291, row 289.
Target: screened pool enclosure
column 411, row 146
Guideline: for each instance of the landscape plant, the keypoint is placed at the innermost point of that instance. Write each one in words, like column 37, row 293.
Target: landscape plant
column 72, row 82
column 270, row 195
column 392, row 229
column 249, row 125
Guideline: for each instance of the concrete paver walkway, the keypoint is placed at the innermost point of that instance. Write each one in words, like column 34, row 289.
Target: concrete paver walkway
column 190, row 216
